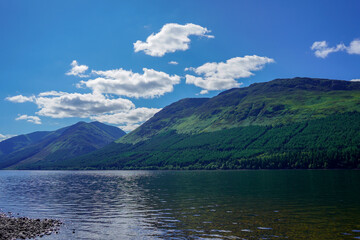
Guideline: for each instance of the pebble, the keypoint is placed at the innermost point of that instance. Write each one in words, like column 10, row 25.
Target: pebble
column 25, row 228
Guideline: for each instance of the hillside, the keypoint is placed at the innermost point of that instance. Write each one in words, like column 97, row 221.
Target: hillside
column 284, row 123
column 280, row 101
column 331, row 142
column 65, row 143
column 15, row 143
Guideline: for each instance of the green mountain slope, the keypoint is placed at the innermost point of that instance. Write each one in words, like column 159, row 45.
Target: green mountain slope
column 65, row 143
column 284, row 123
column 15, row 143
column 280, row 101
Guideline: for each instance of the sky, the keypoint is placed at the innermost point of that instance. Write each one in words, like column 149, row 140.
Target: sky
column 120, row 62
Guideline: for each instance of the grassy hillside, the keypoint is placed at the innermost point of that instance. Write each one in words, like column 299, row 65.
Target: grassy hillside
column 15, row 143
column 65, row 143
column 281, row 101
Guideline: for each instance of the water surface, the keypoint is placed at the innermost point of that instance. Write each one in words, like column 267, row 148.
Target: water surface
column 285, row 204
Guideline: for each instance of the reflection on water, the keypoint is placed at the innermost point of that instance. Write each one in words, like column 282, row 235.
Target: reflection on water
column 189, row 204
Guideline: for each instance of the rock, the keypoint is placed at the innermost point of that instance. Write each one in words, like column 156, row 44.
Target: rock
column 23, row 227
column 22, row 235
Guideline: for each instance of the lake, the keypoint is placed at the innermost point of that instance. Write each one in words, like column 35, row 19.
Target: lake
column 273, row 204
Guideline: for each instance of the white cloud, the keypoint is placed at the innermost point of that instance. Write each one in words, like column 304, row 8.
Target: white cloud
column 32, row 119
column 80, row 105
column 95, row 106
column 61, row 104
column 355, row 80
column 121, row 82
column 4, row 137
column 204, row 92
column 102, row 104
column 20, row 99
column 322, row 50
column 173, row 63
column 222, row 75
column 172, row 37
column 354, row 47
column 52, row 93
column 77, row 70
column 132, row 116
column 128, row 120
column 129, row 127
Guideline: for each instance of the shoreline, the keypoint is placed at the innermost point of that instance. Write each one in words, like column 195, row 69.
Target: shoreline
column 12, row 227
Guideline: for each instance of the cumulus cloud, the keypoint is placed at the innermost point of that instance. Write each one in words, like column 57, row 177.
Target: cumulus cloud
column 172, row 37
column 128, row 120
column 322, row 50
column 32, row 119
column 132, row 116
column 354, row 47
column 95, row 106
column 129, row 127
column 122, row 82
column 77, row 70
column 52, row 93
column 103, row 103
column 80, row 105
column 4, row 137
column 355, row 80
column 222, row 75
column 173, row 63
column 20, row 99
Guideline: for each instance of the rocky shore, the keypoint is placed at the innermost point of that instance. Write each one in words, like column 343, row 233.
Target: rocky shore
column 12, row 227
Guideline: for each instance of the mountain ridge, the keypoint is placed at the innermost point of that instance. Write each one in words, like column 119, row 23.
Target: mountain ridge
column 258, row 104
column 60, row 144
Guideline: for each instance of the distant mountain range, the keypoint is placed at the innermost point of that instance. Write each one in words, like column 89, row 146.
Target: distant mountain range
column 284, row 123
column 54, row 146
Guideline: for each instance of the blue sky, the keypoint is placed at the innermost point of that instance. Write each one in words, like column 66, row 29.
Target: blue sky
column 39, row 40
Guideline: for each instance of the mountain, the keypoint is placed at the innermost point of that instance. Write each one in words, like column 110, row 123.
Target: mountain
column 54, row 146
column 15, row 143
column 284, row 123
column 280, row 101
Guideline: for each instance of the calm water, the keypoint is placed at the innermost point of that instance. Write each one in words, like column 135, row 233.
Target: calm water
column 189, row 204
